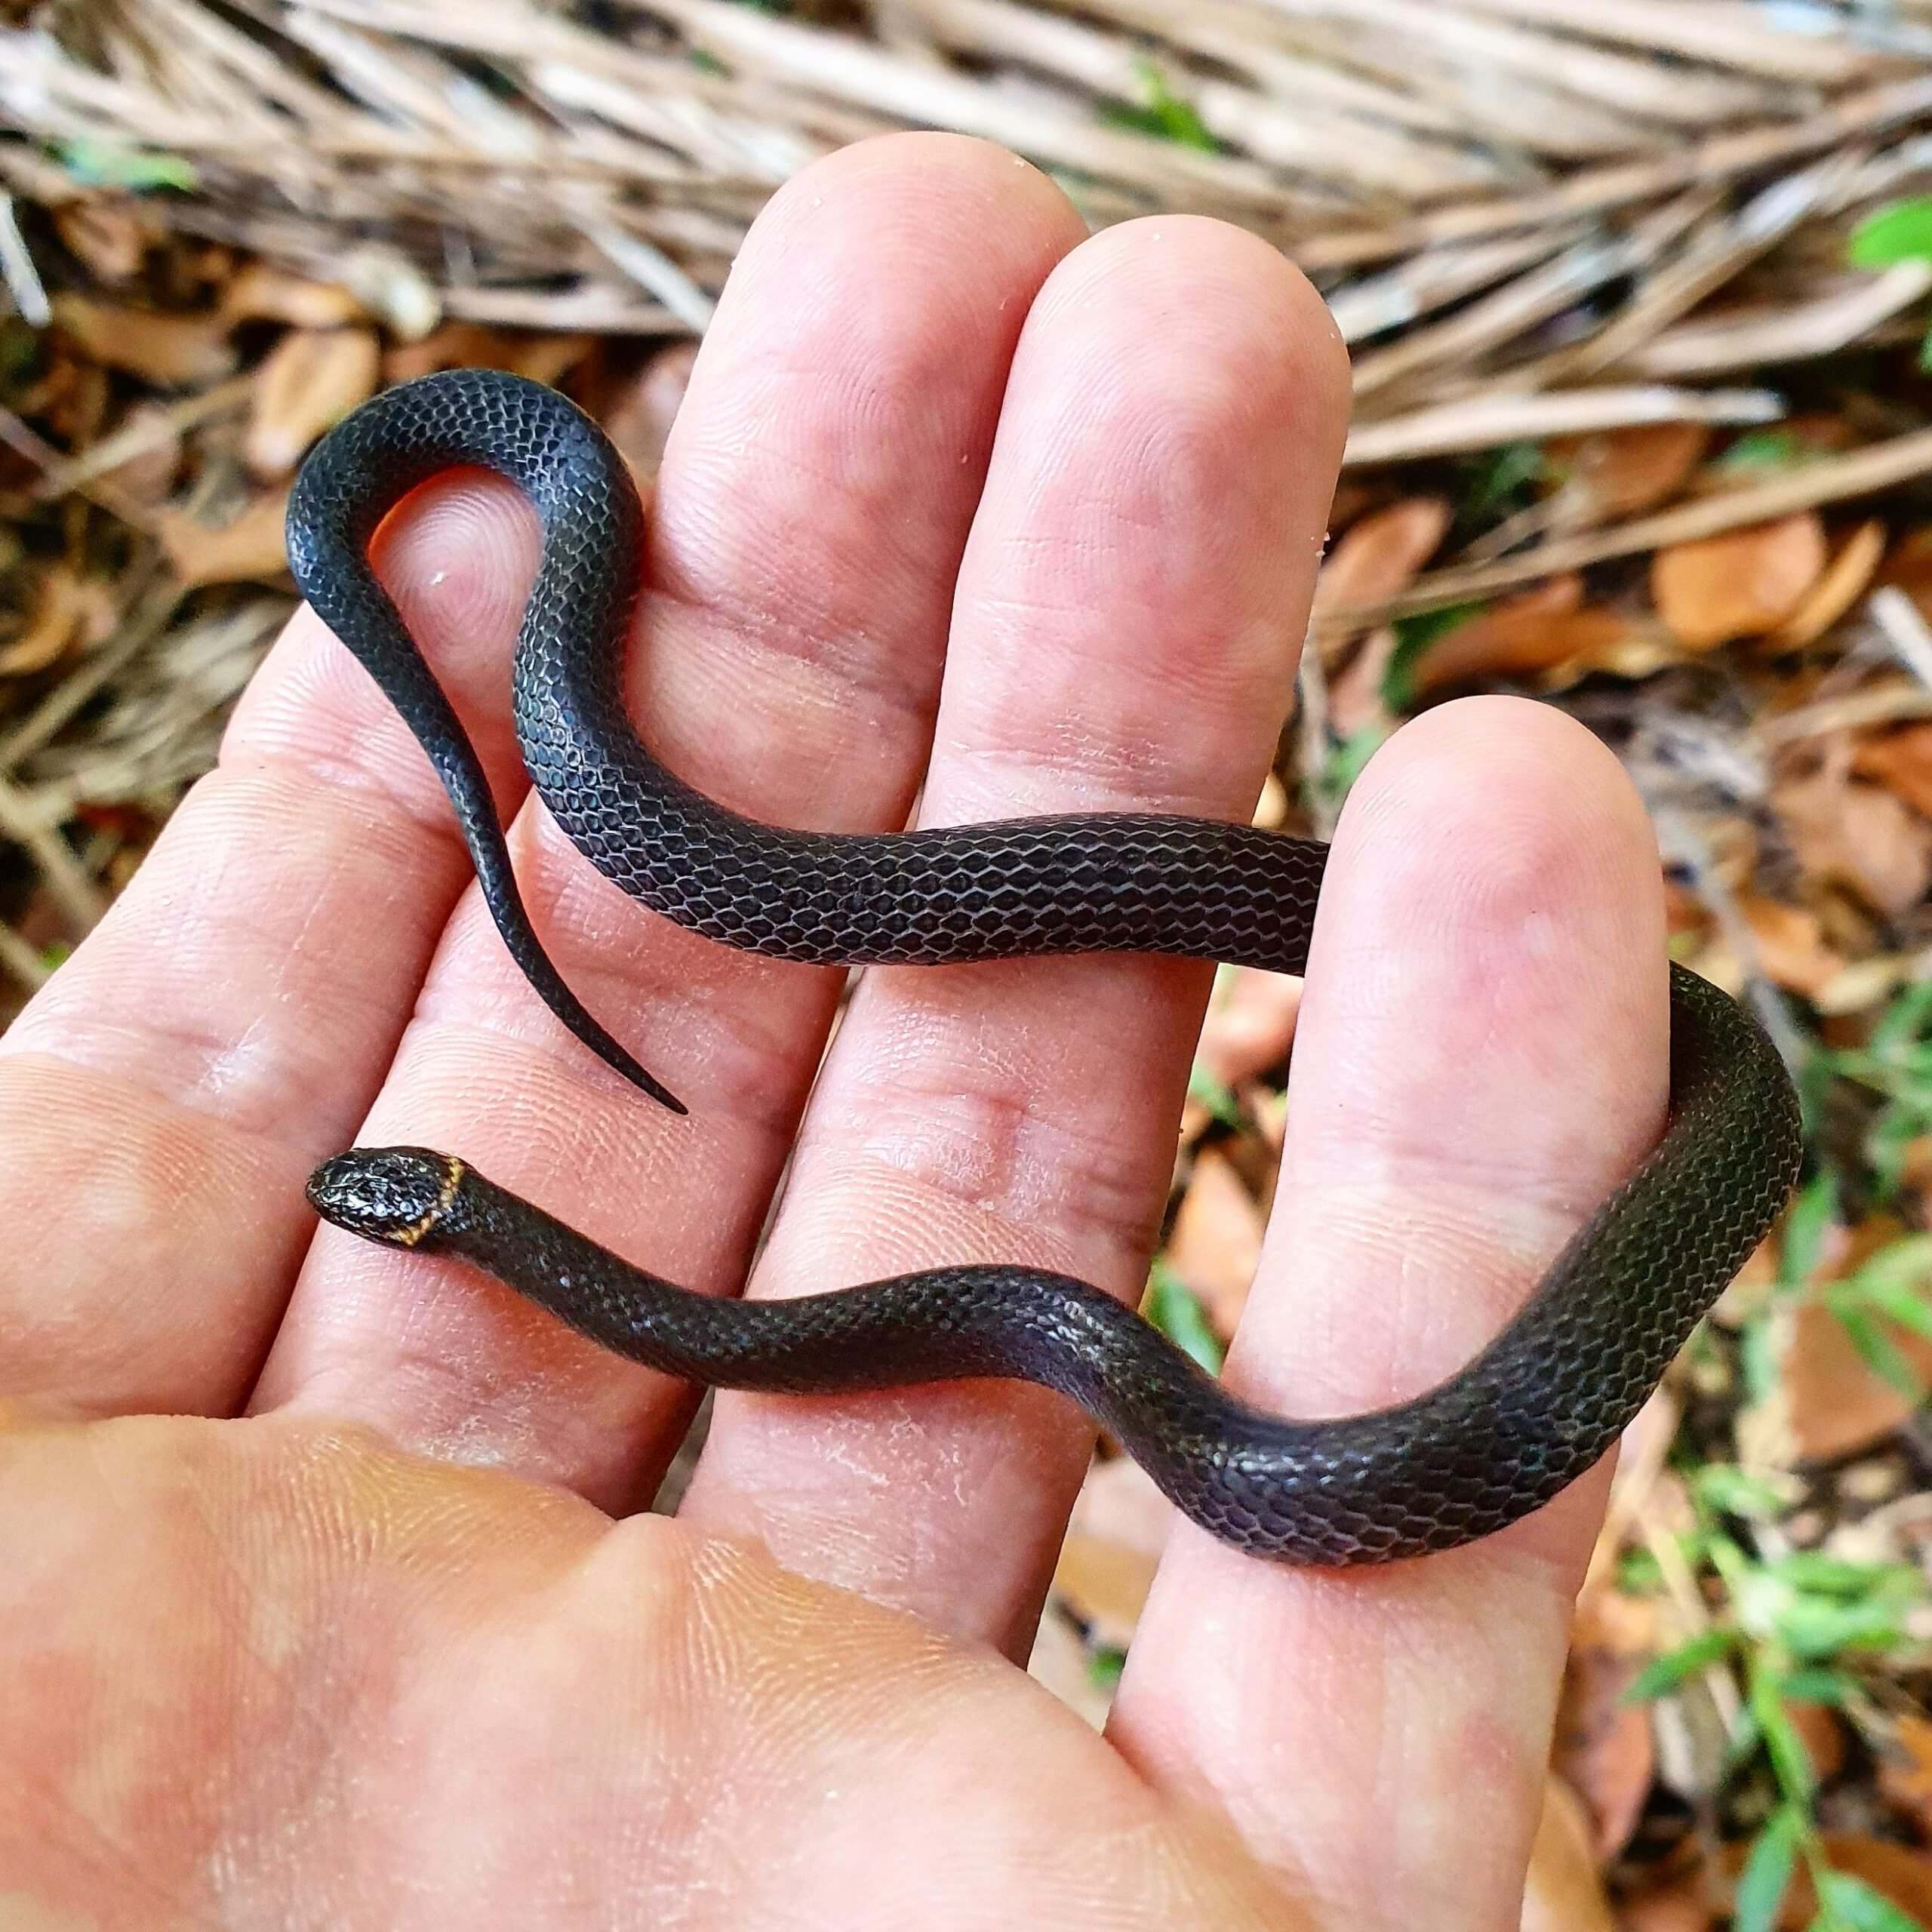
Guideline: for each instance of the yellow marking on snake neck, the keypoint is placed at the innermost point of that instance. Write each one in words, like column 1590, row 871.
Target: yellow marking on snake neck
column 453, row 1171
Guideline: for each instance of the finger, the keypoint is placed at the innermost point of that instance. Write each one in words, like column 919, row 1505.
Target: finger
column 227, row 1022
column 1137, row 580
column 1481, row 1057
column 807, row 523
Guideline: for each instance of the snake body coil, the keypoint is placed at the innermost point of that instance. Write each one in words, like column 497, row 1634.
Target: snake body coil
column 1533, row 1410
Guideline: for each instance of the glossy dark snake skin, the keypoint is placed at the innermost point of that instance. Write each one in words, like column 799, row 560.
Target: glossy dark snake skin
column 1535, row 1410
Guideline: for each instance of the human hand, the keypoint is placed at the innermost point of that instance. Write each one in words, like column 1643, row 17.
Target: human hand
column 321, row 1593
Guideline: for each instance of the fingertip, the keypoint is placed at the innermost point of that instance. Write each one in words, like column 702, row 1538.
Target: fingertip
column 1520, row 856
column 458, row 556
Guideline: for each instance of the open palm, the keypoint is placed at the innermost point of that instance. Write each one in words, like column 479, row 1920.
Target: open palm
column 323, row 1597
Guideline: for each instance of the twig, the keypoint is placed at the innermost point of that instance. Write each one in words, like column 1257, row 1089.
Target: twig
column 16, row 269
column 1892, row 704
column 1822, row 328
column 1486, row 421
column 20, row 438
column 20, row 961
column 137, row 438
column 1312, row 738
column 1905, row 630
column 1832, row 479
column 26, row 823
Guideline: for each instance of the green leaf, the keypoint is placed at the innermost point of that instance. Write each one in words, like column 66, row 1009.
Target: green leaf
column 1162, row 113
column 1811, row 1218
column 1413, row 636
column 1494, row 482
column 103, row 164
column 1858, row 1907
column 1731, row 1491
column 1766, row 1873
column 1791, row 1763
column 1345, row 764
column 1819, row 1686
column 1664, row 1673
column 1104, row 1667
column 1836, row 1576
column 1175, row 1309
column 1925, row 354
column 1638, row 1573
column 1879, row 1353
column 1901, row 233
column 1765, row 449
column 56, row 953
column 1215, row 1095
column 1759, row 1360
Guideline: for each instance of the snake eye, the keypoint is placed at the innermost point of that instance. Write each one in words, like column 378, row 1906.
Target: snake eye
column 392, row 1195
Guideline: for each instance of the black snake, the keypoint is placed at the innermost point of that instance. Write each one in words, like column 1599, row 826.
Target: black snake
column 1533, row 1410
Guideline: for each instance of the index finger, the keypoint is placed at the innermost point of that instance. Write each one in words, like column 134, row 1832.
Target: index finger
column 227, row 1022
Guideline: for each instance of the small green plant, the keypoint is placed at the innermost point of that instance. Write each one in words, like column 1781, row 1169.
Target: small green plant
column 1216, row 1095
column 1161, row 113
column 1343, row 765
column 1765, row 449
column 1174, row 1309
column 1501, row 481
column 1900, row 233
column 1796, row 1630
column 1895, row 1063
column 105, row 164
column 1413, row 636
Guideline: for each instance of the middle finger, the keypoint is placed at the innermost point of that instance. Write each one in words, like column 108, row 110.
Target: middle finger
column 1136, row 583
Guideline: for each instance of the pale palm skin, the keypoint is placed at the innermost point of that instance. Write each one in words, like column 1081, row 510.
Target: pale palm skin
column 321, row 1599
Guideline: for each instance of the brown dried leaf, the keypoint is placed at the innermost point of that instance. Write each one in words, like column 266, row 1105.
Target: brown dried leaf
column 251, row 548
column 1382, row 554
column 1603, row 1746
column 1105, row 1584
column 71, row 611
column 260, row 293
column 1620, row 472
column 146, row 476
column 1791, row 944
column 1355, row 700
column 1060, row 1661
column 1534, row 633
column 1215, row 1244
column 1858, row 834
column 1909, row 567
column 1905, row 1774
column 1118, row 1503
column 1901, row 761
column 1682, row 1906
column 1250, row 1026
column 1834, row 1405
column 1901, row 1875
column 1821, row 1731
column 1561, row 1891
column 639, row 420
column 172, row 352
column 112, row 241
column 543, row 357
column 311, row 380
column 1742, row 583
column 1846, row 579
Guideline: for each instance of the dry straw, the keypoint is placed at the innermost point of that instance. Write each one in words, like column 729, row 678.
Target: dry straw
column 1532, row 218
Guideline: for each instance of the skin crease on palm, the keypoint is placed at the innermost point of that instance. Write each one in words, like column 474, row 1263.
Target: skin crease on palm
column 324, row 1596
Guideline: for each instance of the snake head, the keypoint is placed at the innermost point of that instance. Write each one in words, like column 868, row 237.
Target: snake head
column 396, row 1195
